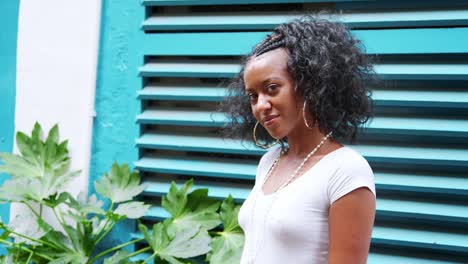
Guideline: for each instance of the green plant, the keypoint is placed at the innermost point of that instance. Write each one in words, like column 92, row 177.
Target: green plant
column 193, row 214
column 38, row 178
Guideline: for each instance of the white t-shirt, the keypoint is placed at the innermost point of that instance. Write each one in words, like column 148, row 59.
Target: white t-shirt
column 291, row 225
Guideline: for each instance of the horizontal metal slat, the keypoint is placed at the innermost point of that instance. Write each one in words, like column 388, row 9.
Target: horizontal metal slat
column 217, row 190
column 210, row 69
column 420, row 126
column 198, row 69
column 218, row 2
column 188, row 118
column 201, row 44
column 208, row 167
column 182, row 92
column 269, row 20
column 422, row 71
column 421, row 98
column 389, row 258
column 442, row 185
column 401, row 4
column 443, row 214
column 198, row 143
column 395, row 98
column 414, row 157
column 421, row 239
column 455, row 128
column 378, row 41
column 422, row 158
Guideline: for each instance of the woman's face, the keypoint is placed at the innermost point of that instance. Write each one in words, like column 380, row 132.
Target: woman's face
column 270, row 89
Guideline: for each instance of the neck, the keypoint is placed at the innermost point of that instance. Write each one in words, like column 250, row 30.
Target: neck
column 305, row 140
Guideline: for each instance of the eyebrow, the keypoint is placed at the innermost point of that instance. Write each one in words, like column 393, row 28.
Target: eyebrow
column 267, row 80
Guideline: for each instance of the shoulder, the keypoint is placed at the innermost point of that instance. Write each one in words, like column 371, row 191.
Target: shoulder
column 266, row 161
column 351, row 171
column 349, row 161
column 270, row 155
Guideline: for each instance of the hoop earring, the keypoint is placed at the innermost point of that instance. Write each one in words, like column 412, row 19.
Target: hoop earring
column 304, row 117
column 263, row 146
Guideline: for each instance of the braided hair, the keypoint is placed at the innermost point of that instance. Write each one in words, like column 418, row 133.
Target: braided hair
column 329, row 70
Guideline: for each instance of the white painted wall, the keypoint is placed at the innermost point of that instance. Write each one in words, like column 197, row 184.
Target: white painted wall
column 56, row 73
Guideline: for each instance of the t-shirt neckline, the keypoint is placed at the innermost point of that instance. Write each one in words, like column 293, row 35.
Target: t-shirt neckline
column 332, row 153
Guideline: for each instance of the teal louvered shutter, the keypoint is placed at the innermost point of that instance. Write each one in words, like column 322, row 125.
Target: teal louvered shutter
column 416, row 144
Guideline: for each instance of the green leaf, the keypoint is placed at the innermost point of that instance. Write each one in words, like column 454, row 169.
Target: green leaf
column 51, row 143
column 81, row 237
column 175, row 201
column 188, row 242
column 98, row 224
column 229, row 213
column 18, row 190
column 86, row 241
column 40, row 171
column 188, row 209
column 89, row 205
column 59, row 240
column 200, row 209
column 8, row 259
column 81, row 206
column 55, row 246
column 17, row 166
column 24, row 223
column 45, row 251
column 56, row 199
column 70, row 258
column 147, row 235
column 228, row 245
column 25, row 146
column 50, row 184
column 36, row 133
column 120, row 184
column 227, row 248
column 35, row 189
column 173, row 260
column 5, row 235
column 132, row 210
column 118, row 258
column 74, row 236
column 184, row 243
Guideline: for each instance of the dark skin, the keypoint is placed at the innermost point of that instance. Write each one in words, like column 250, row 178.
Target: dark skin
column 278, row 108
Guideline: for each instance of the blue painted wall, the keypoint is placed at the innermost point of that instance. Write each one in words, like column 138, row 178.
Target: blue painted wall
column 8, row 34
column 116, row 105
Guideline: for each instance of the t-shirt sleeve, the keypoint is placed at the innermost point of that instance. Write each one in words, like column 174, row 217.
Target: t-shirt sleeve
column 351, row 175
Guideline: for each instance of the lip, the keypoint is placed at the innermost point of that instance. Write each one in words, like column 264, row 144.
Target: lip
column 269, row 120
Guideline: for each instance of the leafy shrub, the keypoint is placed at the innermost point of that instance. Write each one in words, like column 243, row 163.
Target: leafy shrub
column 38, row 178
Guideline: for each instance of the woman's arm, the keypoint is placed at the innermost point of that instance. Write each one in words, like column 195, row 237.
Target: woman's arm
column 351, row 219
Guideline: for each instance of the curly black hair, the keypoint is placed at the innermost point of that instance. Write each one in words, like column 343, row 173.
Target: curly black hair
column 329, row 69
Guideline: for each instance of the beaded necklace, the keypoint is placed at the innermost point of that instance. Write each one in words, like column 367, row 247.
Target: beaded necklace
column 275, row 194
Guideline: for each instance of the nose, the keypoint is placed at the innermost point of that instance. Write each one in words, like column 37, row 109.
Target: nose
column 263, row 103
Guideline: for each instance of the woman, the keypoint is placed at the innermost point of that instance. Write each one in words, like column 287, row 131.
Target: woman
column 313, row 199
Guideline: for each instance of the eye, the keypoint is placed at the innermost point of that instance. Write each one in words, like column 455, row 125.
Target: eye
column 272, row 88
column 252, row 97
